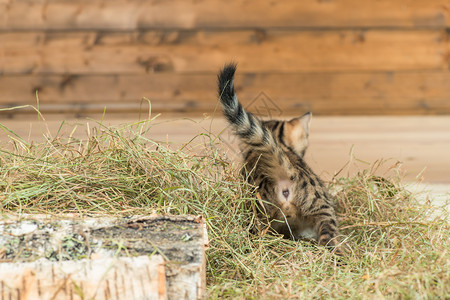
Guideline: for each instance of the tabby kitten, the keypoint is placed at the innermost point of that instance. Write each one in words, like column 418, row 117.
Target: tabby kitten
column 295, row 199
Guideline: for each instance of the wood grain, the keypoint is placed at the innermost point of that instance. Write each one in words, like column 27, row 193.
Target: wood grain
column 330, row 57
column 135, row 14
column 90, row 52
column 97, row 279
column 390, row 93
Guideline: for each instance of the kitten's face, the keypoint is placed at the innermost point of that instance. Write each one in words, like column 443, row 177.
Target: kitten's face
column 293, row 134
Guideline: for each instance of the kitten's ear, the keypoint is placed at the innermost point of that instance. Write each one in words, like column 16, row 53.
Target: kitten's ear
column 304, row 121
column 296, row 133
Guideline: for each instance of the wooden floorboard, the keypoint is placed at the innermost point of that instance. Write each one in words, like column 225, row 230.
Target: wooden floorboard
column 421, row 144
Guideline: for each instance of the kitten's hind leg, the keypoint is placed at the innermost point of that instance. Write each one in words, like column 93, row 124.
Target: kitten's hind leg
column 327, row 231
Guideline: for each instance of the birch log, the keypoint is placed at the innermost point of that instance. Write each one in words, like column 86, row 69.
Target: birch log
column 157, row 257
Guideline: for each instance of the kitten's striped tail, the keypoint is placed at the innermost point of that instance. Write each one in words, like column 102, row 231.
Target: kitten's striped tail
column 249, row 129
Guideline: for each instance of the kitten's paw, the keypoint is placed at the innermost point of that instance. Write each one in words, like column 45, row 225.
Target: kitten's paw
column 339, row 250
column 333, row 245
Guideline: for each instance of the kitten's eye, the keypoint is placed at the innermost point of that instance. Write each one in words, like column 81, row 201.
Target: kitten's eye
column 292, row 178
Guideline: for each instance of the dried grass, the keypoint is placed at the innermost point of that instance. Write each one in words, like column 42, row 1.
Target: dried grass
column 396, row 251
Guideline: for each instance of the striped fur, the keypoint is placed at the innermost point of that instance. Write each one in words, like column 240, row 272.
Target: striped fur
column 295, row 199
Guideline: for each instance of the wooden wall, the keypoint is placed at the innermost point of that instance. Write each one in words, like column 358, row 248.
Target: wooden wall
column 328, row 56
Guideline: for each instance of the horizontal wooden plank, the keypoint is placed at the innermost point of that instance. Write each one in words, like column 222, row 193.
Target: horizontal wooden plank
column 206, row 51
column 292, row 93
column 136, row 14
